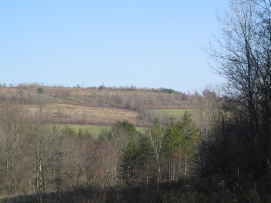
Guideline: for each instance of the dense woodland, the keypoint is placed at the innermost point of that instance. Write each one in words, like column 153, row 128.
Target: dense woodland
column 218, row 152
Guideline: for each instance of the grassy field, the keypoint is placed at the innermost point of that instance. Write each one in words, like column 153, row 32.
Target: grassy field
column 174, row 113
column 94, row 130
column 94, row 120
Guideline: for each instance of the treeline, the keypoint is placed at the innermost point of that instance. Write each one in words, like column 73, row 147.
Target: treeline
column 126, row 98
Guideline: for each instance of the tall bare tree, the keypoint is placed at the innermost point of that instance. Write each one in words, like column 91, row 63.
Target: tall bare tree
column 244, row 59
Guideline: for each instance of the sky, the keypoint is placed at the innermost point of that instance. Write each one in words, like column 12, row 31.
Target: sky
column 142, row 43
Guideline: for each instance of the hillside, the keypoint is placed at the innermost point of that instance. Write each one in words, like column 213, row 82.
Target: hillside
column 98, row 105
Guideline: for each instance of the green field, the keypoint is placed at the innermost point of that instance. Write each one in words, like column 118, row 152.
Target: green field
column 174, row 113
column 94, row 130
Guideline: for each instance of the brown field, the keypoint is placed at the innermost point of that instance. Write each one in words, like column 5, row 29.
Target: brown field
column 67, row 113
column 96, row 105
column 132, row 99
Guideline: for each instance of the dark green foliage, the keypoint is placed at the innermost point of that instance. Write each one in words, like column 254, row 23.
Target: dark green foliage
column 136, row 161
column 120, row 130
column 158, row 155
column 182, row 135
column 101, row 87
column 124, row 126
column 40, row 90
column 167, row 90
column 69, row 131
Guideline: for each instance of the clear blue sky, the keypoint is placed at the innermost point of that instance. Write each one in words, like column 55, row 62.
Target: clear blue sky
column 145, row 43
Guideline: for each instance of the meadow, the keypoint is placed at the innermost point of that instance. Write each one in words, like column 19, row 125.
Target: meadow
column 173, row 113
column 93, row 130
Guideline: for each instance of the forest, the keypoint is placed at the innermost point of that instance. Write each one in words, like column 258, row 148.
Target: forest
column 149, row 145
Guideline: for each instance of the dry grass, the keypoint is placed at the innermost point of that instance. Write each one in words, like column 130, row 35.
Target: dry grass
column 102, row 106
column 97, row 97
column 68, row 113
column 174, row 113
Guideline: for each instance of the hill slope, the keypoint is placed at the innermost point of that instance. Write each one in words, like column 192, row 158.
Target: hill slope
column 95, row 105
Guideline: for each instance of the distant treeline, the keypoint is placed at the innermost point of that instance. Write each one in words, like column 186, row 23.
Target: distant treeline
column 124, row 97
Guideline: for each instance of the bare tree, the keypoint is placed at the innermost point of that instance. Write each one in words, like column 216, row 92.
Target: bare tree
column 244, row 59
column 156, row 137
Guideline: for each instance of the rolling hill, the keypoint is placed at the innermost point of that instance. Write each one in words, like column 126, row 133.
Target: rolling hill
column 97, row 106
